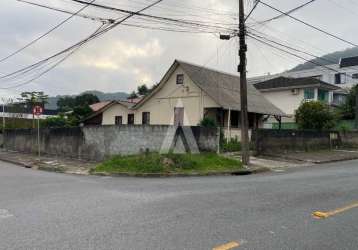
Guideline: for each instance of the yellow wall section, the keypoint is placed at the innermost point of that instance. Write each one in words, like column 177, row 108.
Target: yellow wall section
column 161, row 105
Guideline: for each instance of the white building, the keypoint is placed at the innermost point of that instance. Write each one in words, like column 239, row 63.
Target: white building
column 186, row 94
column 344, row 74
column 288, row 93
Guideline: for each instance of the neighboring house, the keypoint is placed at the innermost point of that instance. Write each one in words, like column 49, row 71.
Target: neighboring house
column 288, row 93
column 111, row 112
column 344, row 75
column 186, row 94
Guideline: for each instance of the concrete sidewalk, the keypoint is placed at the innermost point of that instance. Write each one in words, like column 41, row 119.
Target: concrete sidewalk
column 319, row 157
column 48, row 163
column 281, row 162
column 276, row 164
column 80, row 167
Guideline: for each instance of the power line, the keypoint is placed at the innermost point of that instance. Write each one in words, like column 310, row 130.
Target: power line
column 316, row 57
column 252, row 10
column 288, row 12
column 75, row 46
column 282, row 34
column 310, row 25
column 253, row 36
column 45, row 34
column 195, row 24
column 289, row 47
column 137, row 25
column 93, row 18
column 43, row 65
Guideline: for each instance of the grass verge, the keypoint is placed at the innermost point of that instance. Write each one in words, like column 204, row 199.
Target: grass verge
column 155, row 163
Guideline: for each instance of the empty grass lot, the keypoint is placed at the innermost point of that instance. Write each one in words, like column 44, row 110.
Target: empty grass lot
column 168, row 164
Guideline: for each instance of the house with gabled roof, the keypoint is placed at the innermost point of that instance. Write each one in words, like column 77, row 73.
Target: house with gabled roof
column 188, row 93
column 288, row 93
column 111, row 113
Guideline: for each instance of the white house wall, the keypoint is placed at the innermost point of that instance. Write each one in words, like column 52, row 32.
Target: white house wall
column 109, row 115
column 161, row 105
column 285, row 100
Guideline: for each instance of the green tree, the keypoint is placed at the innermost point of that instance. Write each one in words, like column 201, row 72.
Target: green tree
column 81, row 112
column 133, row 95
column 55, row 122
column 77, row 108
column 143, row 89
column 31, row 99
column 86, row 99
column 66, row 103
column 347, row 110
column 315, row 115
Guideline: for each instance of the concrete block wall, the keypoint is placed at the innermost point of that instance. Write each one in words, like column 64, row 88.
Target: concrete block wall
column 59, row 141
column 268, row 141
column 100, row 142
column 349, row 139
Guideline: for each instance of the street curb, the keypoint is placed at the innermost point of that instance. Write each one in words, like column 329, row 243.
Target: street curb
column 19, row 163
column 255, row 170
column 336, row 160
column 313, row 161
column 169, row 175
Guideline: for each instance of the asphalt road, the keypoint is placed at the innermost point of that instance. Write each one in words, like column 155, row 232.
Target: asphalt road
column 41, row 210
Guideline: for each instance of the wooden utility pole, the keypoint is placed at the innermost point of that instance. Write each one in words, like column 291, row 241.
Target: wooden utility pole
column 245, row 149
column 356, row 109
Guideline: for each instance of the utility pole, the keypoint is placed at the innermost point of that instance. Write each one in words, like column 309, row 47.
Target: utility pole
column 245, row 149
column 3, row 117
column 356, row 108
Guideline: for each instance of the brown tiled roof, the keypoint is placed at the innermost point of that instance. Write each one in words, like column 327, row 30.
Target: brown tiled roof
column 99, row 105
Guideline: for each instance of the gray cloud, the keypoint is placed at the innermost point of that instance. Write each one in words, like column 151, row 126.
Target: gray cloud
column 127, row 56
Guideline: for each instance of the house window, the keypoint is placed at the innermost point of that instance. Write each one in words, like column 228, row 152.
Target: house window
column 355, row 76
column 340, row 78
column 309, row 94
column 130, row 119
column 339, row 99
column 145, row 118
column 180, row 79
column 118, row 120
column 323, row 95
column 337, row 78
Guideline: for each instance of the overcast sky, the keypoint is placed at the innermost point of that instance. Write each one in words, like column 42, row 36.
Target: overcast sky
column 128, row 56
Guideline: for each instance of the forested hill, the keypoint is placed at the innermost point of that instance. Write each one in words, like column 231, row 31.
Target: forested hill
column 52, row 101
column 335, row 56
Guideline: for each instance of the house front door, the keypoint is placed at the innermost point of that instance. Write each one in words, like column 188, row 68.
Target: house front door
column 178, row 116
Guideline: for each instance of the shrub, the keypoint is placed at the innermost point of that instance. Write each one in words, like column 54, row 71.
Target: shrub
column 208, row 122
column 315, row 115
column 55, row 122
column 233, row 145
column 347, row 109
column 344, row 128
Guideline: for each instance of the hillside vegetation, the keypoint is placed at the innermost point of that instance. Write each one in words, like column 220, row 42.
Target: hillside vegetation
column 52, row 101
column 335, row 57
